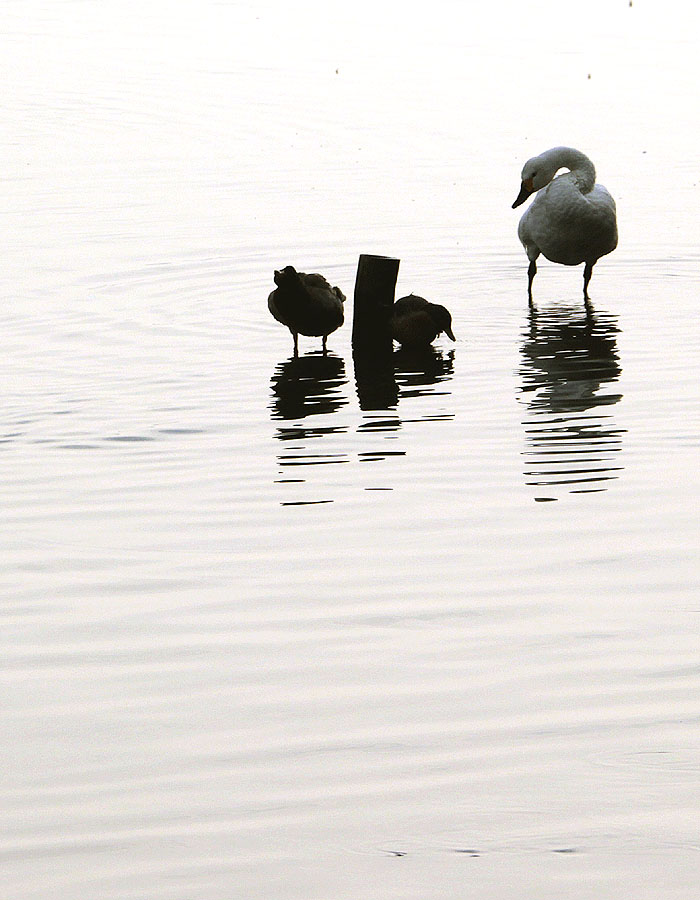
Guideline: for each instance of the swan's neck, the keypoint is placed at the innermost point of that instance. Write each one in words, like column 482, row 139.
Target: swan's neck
column 578, row 163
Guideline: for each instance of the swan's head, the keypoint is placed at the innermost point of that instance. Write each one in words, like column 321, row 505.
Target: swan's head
column 539, row 171
column 533, row 178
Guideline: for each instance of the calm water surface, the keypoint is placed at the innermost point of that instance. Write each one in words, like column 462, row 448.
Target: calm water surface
column 306, row 628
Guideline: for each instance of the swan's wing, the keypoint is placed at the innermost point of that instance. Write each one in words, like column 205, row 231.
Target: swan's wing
column 567, row 226
column 601, row 196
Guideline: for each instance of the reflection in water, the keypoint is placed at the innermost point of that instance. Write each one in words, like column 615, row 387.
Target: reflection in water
column 569, row 362
column 304, row 388
column 382, row 381
column 418, row 371
column 307, row 386
column 374, row 380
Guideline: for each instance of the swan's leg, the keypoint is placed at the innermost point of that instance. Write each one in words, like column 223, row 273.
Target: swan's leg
column 531, row 272
column 325, row 337
column 296, row 343
column 587, row 272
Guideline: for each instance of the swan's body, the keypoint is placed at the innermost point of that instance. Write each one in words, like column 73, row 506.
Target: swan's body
column 572, row 219
column 306, row 304
column 416, row 323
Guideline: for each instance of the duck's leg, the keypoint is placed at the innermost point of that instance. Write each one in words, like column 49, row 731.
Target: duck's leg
column 296, row 343
column 587, row 272
column 531, row 272
column 325, row 338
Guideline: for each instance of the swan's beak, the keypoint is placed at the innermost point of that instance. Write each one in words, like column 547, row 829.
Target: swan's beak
column 525, row 190
column 449, row 333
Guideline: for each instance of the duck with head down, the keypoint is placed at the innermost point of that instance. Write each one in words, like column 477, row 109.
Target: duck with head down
column 572, row 219
column 416, row 323
column 306, row 304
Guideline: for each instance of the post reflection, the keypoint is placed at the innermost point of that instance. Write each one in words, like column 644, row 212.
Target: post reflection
column 374, row 381
column 569, row 364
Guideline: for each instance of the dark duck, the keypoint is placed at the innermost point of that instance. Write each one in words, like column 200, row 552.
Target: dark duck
column 415, row 322
column 306, row 304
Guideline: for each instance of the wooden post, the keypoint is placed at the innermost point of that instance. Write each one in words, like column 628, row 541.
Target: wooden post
column 375, row 285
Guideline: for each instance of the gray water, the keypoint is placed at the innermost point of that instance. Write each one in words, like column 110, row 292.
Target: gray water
column 277, row 627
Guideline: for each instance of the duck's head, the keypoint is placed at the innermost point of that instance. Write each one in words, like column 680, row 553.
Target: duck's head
column 443, row 320
column 286, row 275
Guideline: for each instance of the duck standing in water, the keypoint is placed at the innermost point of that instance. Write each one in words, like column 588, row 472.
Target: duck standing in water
column 572, row 219
column 416, row 323
column 306, row 304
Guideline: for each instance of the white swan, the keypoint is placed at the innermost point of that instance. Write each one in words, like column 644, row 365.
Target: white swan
column 572, row 219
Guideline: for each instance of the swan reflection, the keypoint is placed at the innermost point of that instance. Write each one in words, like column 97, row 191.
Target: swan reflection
column 569, row 366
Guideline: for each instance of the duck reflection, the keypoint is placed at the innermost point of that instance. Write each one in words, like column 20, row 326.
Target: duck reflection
column 307, row 386
column 383, row 380
column 417, row 370
column 569, row 365
column 308, row 391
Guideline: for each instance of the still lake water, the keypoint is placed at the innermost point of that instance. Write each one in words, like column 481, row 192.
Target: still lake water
column 272, row 627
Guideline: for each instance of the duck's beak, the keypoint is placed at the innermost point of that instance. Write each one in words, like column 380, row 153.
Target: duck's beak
column 526, row 188
column 449, row 333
